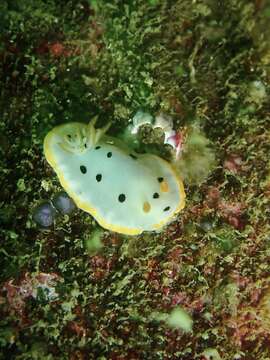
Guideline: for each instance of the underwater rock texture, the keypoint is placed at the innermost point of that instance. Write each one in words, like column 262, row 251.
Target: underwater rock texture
column 204, row 64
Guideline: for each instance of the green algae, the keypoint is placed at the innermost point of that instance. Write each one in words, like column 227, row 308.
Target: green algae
column 205, row 63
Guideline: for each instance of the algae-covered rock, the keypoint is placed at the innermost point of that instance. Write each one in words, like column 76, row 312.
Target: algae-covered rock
column 197, row 158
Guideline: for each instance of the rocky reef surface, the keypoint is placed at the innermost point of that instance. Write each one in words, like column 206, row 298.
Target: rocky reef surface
column 200, row 289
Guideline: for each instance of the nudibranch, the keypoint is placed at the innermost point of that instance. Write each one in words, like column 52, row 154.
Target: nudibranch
column 124, row 191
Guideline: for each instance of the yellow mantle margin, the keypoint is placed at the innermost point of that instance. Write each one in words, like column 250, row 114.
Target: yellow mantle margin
column 91, row 210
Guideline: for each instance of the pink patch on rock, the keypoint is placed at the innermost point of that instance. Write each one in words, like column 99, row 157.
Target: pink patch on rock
column 56, row 49
column 180, row 298
column 176, row 140
column 233, row 163
column 241, row 281
column 27, row 287
column 232, row 212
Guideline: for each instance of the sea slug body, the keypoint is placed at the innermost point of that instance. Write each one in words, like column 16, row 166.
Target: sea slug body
column 124, row 191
